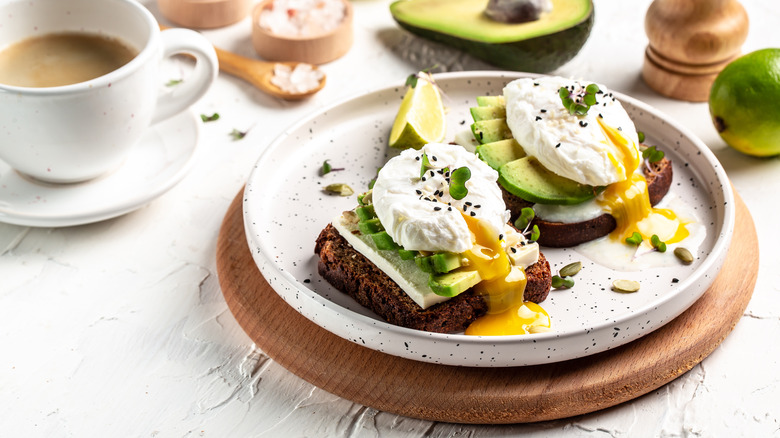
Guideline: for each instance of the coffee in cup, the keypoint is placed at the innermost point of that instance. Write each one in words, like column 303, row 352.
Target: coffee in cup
column 76, row 117
column 59, row 59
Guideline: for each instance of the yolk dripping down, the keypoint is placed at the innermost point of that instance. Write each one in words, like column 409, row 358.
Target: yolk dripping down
column 502, row 286
column 628, row 201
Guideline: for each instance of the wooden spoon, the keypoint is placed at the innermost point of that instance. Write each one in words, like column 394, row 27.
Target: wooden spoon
column 259, row 73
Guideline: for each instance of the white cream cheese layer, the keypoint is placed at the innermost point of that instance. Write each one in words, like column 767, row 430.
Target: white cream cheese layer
column 419, row 213
column 573, row 147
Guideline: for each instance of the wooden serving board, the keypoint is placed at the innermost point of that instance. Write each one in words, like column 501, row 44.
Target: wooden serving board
column 483, row 395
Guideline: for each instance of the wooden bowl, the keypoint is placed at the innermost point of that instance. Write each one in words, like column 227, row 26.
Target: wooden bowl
column 317, row 49
column 204, row 14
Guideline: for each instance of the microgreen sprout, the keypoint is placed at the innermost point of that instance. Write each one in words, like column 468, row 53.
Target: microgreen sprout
column 238, row 135
column 327, row 168
column 411, row 80
column 210, row 118
column 578, row 104
column 458, row 179
column 523, row 222
column 652, row 154
column 174, row 82
column 635, row 239
column 657, row 243
column 641, row 136
column 559, row 282
column 526, row 216
column 426, row 164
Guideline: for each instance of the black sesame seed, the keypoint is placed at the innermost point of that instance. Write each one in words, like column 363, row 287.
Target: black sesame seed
column 538, row 118
column 433, row 157
column 600, row 116
column 500, row 237
column 433, row 173
column 449, row 208
column 543, row 110
column 536, row 84
column 558, row 145
column 472, row 214
column 436, row 208
column 513, row 249
column 465, row 207
column 419, row 192
column 478, row 206
column 468, row 203
column 583, row 123
column 417, row 158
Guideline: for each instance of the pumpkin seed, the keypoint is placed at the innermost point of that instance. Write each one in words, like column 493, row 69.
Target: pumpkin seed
column 570, row 269
column 339, row 189
column 684, row 255
column 625, row 286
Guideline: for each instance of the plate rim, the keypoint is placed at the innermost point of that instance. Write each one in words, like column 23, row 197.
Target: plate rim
column 716, row 256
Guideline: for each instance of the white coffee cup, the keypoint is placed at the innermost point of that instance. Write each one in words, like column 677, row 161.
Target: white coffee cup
column 76, row 132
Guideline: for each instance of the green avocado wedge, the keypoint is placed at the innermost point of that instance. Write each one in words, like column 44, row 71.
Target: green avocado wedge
column 537, row 46
column 528, row 179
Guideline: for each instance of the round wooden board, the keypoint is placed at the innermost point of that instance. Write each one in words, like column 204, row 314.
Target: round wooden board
column 483, row 395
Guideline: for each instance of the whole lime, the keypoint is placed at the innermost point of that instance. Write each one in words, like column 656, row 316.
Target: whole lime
column 745, row 103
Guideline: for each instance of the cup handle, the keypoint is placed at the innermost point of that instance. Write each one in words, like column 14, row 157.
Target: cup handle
column 178, row 41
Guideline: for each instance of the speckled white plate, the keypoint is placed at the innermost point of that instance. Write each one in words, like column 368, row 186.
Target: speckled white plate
column 162, row 158
column 285, row 209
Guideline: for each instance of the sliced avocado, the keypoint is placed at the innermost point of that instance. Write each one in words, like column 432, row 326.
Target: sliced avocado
column 439, row 263
column 488, row 112
column 535, row 46
column 453, row 283
column 491, row 101
column 366, row 212
column 405, row 254
column 383, row 241
column 424, row 263
column 498, row 153
column 370, row 226
column 488, row 131
column 528, row 179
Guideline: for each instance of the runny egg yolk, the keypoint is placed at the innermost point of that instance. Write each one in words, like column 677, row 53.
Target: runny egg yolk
column 628, row 201
column 502, row 286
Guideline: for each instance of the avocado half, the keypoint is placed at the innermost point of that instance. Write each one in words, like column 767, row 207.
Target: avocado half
column 538, row 46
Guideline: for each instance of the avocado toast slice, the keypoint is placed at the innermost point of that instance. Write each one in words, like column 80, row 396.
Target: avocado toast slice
column 525, row 182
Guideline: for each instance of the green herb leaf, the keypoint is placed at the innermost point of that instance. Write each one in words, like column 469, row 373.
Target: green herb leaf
column 657, row 243
column 174, row 82
column 326, row 168
column 635, row 239
column 236, row 134
column 584, row 99
column 458, row 178
column 425, row 165
column 652, row 154
column 562, row 282
column 526, row 216
column 535, row 233
column 210, row 118
column 641, row 136
column 411, row 80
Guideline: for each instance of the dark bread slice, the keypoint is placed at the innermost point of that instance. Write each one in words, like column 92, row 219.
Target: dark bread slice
column 564, row 235
column 352, row 273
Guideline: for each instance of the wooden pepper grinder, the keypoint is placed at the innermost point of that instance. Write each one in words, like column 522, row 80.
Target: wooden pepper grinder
column 691, row 41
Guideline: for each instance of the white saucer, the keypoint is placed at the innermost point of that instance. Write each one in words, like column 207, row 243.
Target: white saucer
column 162, row 158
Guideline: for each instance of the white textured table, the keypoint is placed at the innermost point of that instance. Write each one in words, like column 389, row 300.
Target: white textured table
column 119, row 328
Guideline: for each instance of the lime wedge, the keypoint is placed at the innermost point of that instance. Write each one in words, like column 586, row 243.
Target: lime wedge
column 420, row 118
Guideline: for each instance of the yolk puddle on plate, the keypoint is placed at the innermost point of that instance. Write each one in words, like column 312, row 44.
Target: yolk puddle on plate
column 502, row 286
column 628, row 201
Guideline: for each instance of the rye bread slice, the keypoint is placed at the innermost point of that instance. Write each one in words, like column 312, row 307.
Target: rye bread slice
column 564, row 235
column 352, row 273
